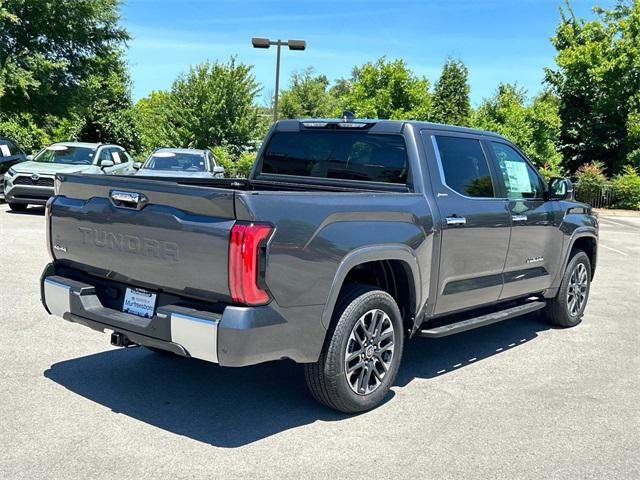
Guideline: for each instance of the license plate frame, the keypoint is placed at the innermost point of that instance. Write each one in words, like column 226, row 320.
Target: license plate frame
column 139, row 302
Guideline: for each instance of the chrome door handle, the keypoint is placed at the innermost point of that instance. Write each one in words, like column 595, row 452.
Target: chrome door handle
column 124, row 199
column 519, row 218
column 456, row 221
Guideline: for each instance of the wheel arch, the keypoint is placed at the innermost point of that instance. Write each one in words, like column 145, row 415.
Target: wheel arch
column 589, row 245
column 583, row 236
column 397, row 261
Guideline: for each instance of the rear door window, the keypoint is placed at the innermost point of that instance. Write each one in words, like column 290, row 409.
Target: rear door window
column 337, row 155
column 464, row 166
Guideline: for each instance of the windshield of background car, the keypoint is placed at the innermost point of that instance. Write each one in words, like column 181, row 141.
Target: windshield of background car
column 65, row 154
column 176, row 162
column 340, row 155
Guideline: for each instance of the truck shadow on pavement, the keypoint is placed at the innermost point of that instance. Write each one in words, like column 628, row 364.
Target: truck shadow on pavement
column 34, row 211
column 232, row 407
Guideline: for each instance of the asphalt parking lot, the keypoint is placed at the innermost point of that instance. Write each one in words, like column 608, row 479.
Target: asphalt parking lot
column 513, row 400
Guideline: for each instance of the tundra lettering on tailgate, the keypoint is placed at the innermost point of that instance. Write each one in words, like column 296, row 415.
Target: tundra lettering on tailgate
column 128, row 243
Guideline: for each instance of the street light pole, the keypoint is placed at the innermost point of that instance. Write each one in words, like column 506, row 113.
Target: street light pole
column 266, row 43
column 275, row 101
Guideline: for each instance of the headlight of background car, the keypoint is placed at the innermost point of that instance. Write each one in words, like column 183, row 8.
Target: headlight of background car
column 11, row 172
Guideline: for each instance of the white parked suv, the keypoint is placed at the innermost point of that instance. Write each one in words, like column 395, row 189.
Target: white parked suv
column 31, row 182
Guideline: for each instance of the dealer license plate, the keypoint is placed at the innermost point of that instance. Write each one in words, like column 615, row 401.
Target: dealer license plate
column 139, row 302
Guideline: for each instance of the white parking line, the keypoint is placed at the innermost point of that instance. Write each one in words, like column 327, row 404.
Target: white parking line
column 613, row 250
column 620, row 224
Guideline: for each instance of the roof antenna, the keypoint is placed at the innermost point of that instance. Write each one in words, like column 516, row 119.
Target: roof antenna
column 348, row 116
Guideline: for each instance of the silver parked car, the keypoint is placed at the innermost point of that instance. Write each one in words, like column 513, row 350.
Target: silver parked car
column 31, row 182
column 181, row 162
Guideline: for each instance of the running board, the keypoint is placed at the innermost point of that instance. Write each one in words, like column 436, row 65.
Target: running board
column 481, row 321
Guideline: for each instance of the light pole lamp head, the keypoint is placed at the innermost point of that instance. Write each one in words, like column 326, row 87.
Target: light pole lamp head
column 259, row 42
column 297, row 44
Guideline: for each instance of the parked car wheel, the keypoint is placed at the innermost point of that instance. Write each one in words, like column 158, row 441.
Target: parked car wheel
column 567, row 308
column 361, row 356
column 17, row 207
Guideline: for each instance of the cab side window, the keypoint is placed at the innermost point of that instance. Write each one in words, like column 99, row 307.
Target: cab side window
column 105, row 154
column 124, row 155
column 116, row 156
column 464, row 166
column 521, row 181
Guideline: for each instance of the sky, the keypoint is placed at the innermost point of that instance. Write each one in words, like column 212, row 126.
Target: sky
column 498, row 40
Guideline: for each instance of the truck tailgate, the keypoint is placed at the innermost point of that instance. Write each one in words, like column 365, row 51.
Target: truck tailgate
column 145, row 232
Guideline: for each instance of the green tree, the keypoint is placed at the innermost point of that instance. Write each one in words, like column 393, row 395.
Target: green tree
column 151, row 116
column 534, row 126
column 213, row 105
column 105, row 112
column 385, row 89
column 597, row 79
column 62, row 73
column 451, row 102
column 47, row 48
column 307, row 96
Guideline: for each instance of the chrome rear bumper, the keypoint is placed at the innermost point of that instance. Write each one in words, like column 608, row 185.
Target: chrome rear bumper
column 193, row 333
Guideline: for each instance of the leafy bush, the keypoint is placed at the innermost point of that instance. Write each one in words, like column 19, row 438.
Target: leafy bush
column 23, row 130
column 235, row 166
column 590, row 180
column 550, row 170
column 626, row 188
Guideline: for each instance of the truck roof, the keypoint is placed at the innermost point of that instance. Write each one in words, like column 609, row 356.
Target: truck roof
column 388, row 126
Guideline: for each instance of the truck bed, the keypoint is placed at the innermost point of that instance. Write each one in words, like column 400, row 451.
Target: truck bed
column 176, row 240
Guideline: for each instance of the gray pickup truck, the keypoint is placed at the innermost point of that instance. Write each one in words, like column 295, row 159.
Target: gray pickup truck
column 348, row 237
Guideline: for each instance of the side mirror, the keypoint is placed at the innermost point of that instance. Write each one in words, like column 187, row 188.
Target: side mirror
column 218, row 171
column 30, row 157
column 560, row 189
column 137, row 165
column 106, row 164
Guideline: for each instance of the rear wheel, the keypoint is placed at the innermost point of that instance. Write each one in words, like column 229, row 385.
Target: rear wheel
column 361, row 357
column 567, row 308
column 18, row 207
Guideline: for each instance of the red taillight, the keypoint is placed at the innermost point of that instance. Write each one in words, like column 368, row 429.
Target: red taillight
column 245, row 254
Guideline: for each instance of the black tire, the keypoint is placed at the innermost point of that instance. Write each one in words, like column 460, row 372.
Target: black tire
column 327, row 380
column 18, row 207
column 559, row 311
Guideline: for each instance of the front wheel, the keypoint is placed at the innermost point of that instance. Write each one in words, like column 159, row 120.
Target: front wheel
column 18, row 207
column 567, row 308
column 361, row 357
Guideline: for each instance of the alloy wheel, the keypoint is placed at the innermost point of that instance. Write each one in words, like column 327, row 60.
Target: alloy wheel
column 369, row 352
column 577, row 290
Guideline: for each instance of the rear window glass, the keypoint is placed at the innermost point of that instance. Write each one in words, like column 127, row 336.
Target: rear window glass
column 338, row 155
column 464, row 166
column 176, row 162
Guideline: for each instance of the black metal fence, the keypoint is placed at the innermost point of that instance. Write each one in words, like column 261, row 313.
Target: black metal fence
column 597, row 196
